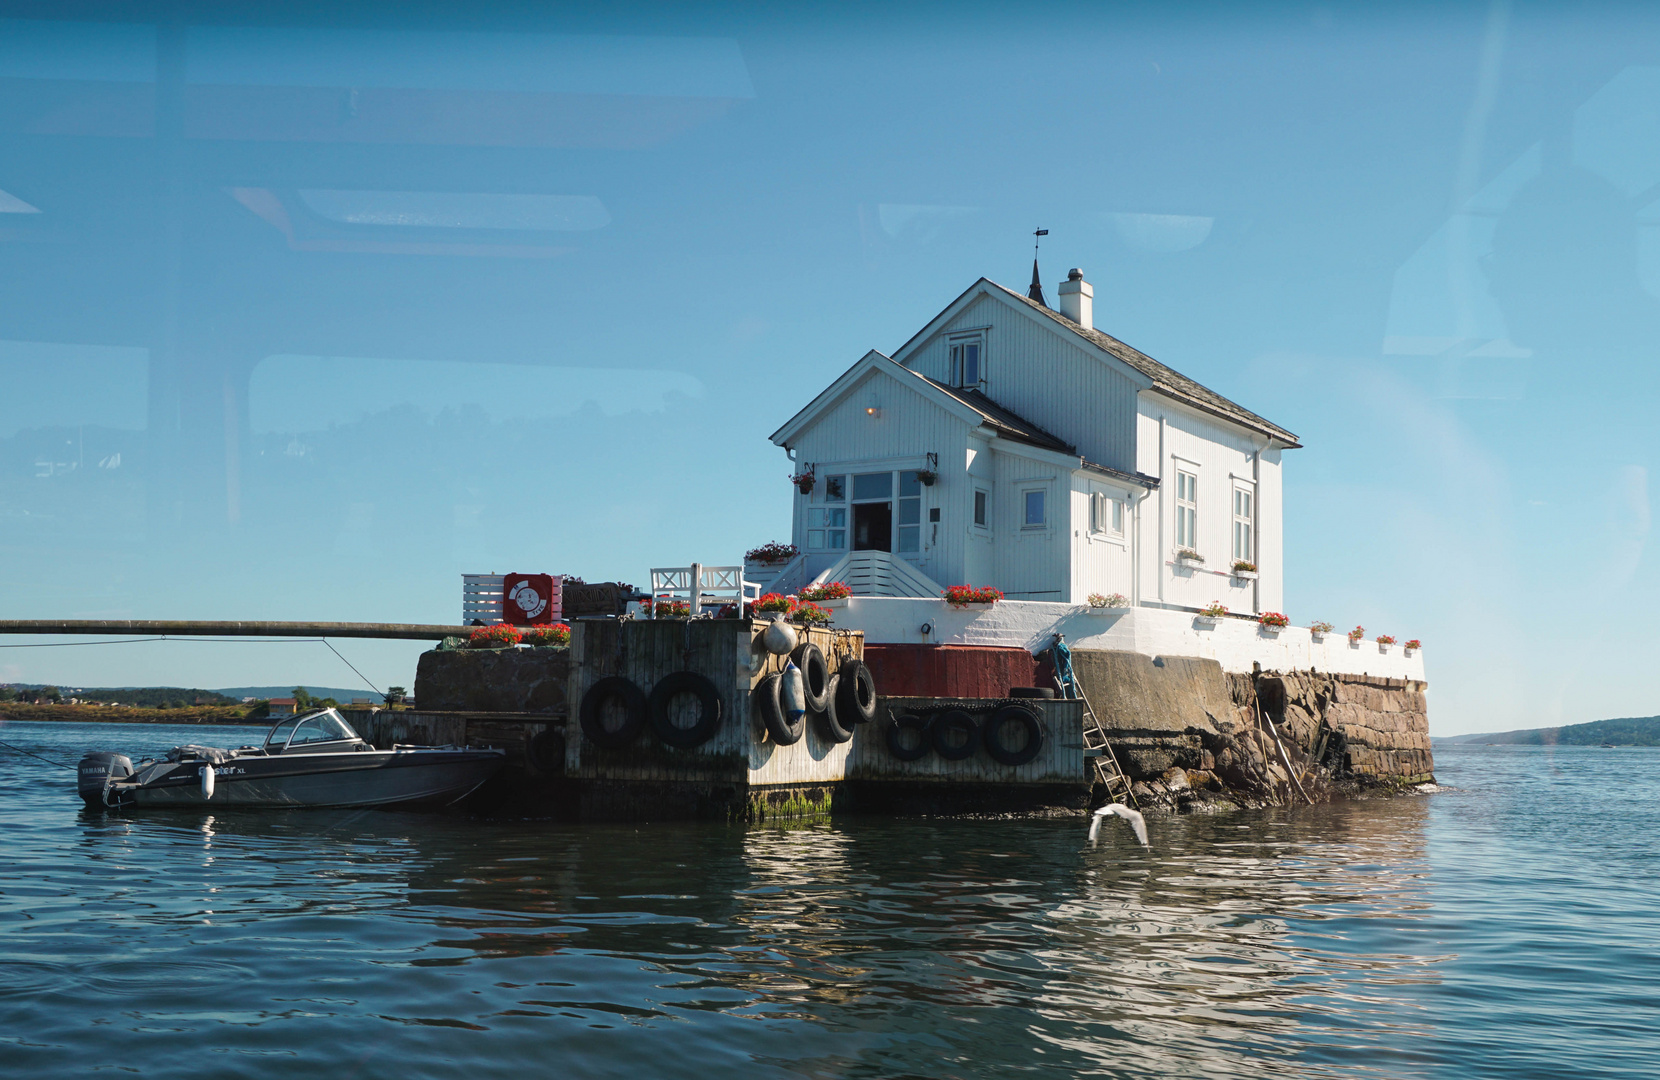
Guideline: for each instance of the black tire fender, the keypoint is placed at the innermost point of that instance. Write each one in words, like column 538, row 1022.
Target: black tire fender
column 546, row 753
column 815, row 675
column 992, row 734
column 764, row 701
column 856, row 696
column 709, row 714
column 593, row 718
column 947, row 722
column 898, row 749
column 829, row 724
column 1044, row 692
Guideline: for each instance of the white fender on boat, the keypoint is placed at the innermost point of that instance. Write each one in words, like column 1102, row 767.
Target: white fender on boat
column 779, row 638
column 793, row 693
column 207, row 781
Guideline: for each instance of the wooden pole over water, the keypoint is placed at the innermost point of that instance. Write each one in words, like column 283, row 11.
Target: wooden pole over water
column 189, row 628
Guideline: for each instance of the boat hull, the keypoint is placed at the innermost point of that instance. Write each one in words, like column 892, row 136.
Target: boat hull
column 365, row 779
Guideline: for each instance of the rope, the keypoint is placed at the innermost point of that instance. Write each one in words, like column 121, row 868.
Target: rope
column 348, row 663
column 32, row 754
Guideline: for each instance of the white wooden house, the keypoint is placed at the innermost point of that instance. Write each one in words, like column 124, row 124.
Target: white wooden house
column 1062, row 462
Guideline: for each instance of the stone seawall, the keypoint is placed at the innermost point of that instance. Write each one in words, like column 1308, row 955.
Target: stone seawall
column 1186, row 732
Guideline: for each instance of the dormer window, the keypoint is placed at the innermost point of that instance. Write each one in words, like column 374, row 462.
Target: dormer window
column 967, row 361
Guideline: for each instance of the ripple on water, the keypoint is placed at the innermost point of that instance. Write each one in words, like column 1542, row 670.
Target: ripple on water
column 1484, row 931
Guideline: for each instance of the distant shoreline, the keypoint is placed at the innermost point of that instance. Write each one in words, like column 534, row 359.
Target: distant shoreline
column 224, row 715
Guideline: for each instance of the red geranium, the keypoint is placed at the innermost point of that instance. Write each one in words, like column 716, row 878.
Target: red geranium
column 963, row 595
column 499, row 636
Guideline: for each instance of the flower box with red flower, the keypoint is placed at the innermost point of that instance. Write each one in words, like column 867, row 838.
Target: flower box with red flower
column 1272, row 622
column 1356, row 636
column 1208, row 617
column 1413, row 646
column 1384, row 641
column 971, row 596
column 832, row 595
column 665, row 608
column 769, row 605
column 496, row 636
column 808, row 613
column 548, row 635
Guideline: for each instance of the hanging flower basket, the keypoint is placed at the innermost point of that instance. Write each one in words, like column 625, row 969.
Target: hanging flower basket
column 804, row 482
column 926, row 477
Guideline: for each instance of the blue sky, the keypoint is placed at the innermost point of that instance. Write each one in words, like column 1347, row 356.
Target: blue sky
column 373, row 301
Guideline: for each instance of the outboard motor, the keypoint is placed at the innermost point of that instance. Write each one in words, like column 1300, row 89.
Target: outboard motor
column 97, row 769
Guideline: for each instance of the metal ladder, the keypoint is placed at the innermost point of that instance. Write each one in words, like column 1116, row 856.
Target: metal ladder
column 1097, row 747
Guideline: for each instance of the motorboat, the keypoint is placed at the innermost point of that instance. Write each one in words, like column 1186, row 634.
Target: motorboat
column 315, row 759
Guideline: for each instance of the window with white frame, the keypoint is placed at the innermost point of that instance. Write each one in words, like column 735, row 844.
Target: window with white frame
column 982, row 508
column 1106, row 514
column 1032, row 502
column 1187, row 509
column 827, row 523
column 1244, row 525
column 967, row 361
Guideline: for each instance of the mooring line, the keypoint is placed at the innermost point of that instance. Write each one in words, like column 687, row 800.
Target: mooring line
column 32, row 754
column 348, row 663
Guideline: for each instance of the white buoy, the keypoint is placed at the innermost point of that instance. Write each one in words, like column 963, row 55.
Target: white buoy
column 1137, row 823
column 207, row 781
column 793, row 694
column 779, row 639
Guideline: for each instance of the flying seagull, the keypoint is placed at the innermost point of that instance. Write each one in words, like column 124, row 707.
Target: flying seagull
column 1138, row 824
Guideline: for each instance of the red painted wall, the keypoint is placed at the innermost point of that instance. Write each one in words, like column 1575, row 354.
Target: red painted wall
column 965, row 671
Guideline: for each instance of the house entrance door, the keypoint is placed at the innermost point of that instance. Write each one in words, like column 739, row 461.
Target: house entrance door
column 873, row 526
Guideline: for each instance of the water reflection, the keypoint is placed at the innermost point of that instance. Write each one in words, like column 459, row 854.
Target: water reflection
column 1309, row 943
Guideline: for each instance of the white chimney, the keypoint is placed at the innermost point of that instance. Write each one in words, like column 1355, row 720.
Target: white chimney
column 1078, row 299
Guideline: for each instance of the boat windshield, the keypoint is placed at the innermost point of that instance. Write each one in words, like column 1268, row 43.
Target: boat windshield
column 323, row 727
column 279, row 734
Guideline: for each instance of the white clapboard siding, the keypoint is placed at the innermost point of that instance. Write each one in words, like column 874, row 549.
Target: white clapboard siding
column 1046, row 374
column 879, row 573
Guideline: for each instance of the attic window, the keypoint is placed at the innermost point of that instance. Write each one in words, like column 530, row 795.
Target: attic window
column 967, row 356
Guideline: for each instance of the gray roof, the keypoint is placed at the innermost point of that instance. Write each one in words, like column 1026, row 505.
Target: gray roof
column 1006, row 422
column 1011, row 425
column 1166, row 380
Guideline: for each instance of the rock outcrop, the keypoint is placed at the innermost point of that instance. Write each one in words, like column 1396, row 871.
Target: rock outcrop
column 493, row 680
column 1191, row 736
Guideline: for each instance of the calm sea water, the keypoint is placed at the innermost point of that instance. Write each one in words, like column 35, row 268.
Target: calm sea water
column 1505, row 927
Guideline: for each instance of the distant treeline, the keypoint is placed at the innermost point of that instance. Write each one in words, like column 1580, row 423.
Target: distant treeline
column 1628, row 731
column 144, row 697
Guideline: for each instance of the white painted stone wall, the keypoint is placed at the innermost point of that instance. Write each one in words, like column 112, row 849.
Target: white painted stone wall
column 1032, row 625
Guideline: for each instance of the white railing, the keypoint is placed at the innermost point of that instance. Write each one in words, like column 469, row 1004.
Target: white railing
column 790, row 577
column 716, row 586
column 879, row 573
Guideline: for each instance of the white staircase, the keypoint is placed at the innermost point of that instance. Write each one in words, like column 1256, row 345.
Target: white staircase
column 880, row 573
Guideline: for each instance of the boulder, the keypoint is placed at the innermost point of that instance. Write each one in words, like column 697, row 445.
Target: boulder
column 493, row 680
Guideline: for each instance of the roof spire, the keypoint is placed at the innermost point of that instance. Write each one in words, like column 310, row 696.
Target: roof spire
column 1036, row 291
